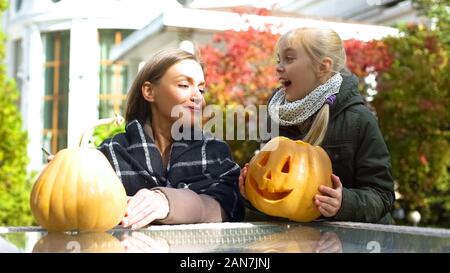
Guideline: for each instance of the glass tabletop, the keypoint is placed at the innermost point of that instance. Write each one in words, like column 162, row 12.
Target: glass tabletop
column 250, row 237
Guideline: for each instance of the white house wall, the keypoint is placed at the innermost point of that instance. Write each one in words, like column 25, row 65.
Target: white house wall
column 83, row 18
column 83, row 78
column 32, row 93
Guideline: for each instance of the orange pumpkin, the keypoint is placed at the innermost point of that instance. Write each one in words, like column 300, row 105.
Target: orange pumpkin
column 284, row 177
column 78, row 190
column 298, row 239
column 78, row 243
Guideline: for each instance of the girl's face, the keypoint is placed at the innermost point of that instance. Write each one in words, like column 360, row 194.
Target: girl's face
column 296, row 71
column 182, row 86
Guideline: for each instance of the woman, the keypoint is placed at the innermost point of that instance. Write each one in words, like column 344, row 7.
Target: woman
column 172, row 181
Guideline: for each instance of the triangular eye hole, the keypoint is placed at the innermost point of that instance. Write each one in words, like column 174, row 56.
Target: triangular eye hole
column 264, row 160
column 286, row 165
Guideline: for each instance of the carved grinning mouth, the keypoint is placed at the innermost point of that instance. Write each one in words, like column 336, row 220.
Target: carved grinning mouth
column 266, row 194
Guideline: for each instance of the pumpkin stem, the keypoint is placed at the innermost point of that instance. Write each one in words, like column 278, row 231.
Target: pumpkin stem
column 116, row 120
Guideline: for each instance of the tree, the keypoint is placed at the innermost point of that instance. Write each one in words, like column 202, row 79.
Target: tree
column 240, row 70
column 413, row 105
column 438, row 11
column 14, row 181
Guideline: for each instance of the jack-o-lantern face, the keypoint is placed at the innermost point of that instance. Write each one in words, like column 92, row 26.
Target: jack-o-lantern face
column 284, row 177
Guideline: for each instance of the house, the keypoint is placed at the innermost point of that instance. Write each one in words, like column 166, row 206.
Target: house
column 73, row 60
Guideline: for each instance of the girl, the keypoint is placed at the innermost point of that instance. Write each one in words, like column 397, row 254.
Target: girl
column 319, row 102
column 168, row 181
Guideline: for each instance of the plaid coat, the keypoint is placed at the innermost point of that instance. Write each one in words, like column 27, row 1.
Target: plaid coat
column 204, row 166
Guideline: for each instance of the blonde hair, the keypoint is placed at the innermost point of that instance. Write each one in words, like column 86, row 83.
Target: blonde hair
column 154, row 69
column 319, row 43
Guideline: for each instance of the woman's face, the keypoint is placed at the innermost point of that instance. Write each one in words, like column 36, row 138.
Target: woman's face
column 296, row 71
column 182, row 86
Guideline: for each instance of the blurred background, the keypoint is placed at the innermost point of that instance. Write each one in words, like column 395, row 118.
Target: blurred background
column 67, row 63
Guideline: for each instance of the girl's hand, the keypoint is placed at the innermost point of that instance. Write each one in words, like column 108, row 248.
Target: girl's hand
column 242, row 177
column 50, row 158
column 329, row 243
column 330, row 201
column 145, row 207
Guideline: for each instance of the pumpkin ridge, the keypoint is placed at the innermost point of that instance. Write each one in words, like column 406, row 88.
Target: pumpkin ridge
column 60, row 193
column 307, row 175
column 68, row 208
column 98, row 211
column 75, row 193
column 52, row 182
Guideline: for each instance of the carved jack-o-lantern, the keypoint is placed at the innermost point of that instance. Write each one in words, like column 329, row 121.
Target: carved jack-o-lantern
column 284, row 177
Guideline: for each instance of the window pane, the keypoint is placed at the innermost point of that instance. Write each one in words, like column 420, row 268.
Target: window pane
column 48, row 114
column 113, row 76
column 49, row 42
column 62, row 140
column 18, row 5
column 106, row 108
column 18, row 70
column 57, row 49
column 63, row 113
column 64, row 79
column 65, row 46
column 124, row 79
column 49, row 74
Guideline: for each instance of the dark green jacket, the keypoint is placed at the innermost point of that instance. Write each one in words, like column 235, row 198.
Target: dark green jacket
column 359, row 157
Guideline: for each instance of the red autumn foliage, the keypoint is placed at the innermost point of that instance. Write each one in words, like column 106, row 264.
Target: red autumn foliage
column 366, row 57
column 245, row 66
column 240, row 65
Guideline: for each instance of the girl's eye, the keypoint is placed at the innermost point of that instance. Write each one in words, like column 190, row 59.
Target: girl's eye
column 202, row 91
column 183, row 85
column 289, row 59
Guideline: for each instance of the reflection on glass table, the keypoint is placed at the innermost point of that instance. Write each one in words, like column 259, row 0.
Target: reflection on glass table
column 254, row 237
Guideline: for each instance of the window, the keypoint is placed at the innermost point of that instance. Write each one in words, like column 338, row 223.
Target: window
column 113, row 75
column 18, row 5
column 57, row 50
column 17, row 66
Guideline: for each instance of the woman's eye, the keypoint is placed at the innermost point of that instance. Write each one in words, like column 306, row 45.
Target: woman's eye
column 183, row 85
column 202, row 90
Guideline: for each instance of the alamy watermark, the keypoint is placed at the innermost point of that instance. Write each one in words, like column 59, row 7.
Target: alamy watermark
column 232, row 122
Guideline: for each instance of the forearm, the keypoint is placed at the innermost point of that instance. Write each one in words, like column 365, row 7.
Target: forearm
column 363, row 205
column 188, row 207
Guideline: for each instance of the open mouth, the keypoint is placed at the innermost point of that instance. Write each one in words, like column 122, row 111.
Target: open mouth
column 273, row 196
column 286, row 83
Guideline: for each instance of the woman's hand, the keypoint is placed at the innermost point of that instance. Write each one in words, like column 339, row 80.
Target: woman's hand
column 242, row 177
column 145, row 207
column 330, row 201
column 139, row 242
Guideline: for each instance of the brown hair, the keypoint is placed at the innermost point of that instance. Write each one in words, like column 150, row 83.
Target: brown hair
column 153, row 70
column 319, row 43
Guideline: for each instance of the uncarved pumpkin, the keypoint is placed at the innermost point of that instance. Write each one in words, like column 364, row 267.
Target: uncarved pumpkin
column 78, row 191
column 78, row 243
column 284, row 177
